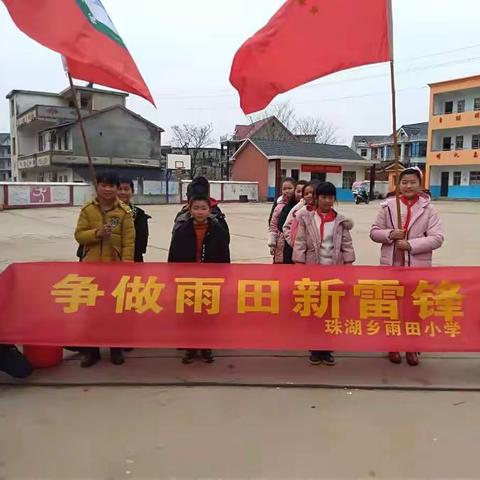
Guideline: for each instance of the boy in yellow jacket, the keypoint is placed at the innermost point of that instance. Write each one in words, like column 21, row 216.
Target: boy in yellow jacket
column 106, row 233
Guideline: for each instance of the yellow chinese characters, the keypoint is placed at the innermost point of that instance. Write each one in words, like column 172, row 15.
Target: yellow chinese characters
column 379, row 298
column 258, row 296
column 138, row 296
column 200, row 294
column 75, row 291
column 316, row 298
column 443, row 301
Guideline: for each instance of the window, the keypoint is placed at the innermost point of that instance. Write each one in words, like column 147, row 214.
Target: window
column 422, row 151
column 363, row 152
column 460, row 106
column 66, row 140
column 457, row 178
column 476, row 104
column 448, row 107
column 447, row 143
column 12, row 107
column 40, row 143
column 476, row 142
column 14, row 146
column 459, row 142
column 296, row 174
column 319, row 176
column 283, row 173
column 349, row 179
column 474, row 178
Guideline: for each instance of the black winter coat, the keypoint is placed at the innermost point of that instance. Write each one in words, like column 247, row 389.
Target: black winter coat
column 140, row 220
column 183, row 247
column 184, row 214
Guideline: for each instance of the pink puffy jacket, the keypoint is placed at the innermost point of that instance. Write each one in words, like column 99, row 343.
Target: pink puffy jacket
column 425, row 233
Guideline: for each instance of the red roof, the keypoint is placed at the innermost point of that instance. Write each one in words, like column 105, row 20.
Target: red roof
column 242, row 132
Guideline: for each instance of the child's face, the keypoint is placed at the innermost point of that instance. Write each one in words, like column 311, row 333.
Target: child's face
column 125, row 193
column 298, row 192
column 288, row 190
column 308, row 196
column 325, row 202
column 200, row 210
column 410, row 186
column 107, row 191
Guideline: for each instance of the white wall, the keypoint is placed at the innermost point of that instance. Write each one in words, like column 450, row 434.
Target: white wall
column 271, row 174
column 26, row 101
column 467, row 132
column 467, row 95
column 436, row 174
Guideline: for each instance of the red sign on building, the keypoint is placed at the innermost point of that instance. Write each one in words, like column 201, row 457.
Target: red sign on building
column 322, row 168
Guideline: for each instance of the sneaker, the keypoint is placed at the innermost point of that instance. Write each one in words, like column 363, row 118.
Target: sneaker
column 116, row 356
column 189, row 356
column 327, row 358
column 207, row 356
column 13, row 362
column 315, row 358
column 90, row 357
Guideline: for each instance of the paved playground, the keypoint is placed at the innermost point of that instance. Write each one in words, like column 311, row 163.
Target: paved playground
column 263, row 416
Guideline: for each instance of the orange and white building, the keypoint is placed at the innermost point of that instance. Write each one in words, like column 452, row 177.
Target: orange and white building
column 453, row 152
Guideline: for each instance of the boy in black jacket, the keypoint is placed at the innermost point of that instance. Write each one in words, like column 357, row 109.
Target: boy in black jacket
column 201, row 187
column 140, row 218
column 199, row 239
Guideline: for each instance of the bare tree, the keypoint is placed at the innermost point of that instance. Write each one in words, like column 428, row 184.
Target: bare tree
column 282, row 112
column 192, row 138
column 322, row 131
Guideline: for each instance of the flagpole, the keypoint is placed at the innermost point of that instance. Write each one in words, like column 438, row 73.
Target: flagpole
column 394, row 128
column 82, row 130
column 394, row 120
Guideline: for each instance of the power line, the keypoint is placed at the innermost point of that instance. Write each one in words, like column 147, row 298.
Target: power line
column 337, row 82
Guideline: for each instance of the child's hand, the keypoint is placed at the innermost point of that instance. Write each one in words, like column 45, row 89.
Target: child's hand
column 397, row 234
column 403, row 245
column 105, row 231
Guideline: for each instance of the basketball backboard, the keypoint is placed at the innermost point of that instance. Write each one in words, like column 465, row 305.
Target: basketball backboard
column 179, row 162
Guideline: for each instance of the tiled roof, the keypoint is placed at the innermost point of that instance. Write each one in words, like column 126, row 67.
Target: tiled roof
column 242, row 132
column 272, row 148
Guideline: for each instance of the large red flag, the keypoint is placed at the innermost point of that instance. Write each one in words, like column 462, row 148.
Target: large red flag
column 84, row 34
column 308, row 39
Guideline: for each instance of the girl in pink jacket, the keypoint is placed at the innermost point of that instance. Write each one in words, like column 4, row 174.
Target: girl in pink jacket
column 323, row 238
column 276, row 240
column 413, row 244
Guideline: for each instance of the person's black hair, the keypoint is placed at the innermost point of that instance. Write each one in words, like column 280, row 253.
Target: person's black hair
column 302, row 182
column 326, row 188
column 412, row 171
column 200, row 198
column 290, row 180
column 311, row 183
column 198, row 186
column 108, row 177
column 128, row 181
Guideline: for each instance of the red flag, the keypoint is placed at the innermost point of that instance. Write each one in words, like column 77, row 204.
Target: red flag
column 308, row 39
column 84, row 34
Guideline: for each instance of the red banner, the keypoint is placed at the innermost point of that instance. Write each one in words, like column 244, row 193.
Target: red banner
column 241, row 306
column 321, row 168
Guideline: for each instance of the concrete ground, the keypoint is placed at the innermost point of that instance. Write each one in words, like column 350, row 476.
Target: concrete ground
column 65, row 424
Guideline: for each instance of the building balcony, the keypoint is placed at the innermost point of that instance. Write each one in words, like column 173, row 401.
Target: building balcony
column 454, row 157
column 455, row 120
column 66, row 158
column 40, row 117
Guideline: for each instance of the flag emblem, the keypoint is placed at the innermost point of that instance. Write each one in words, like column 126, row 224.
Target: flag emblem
column 99, row 18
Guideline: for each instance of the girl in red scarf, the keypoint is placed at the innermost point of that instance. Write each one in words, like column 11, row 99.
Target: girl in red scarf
column 323, row 238
column 413, row 244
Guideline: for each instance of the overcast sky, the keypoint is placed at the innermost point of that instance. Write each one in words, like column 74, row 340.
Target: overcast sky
column 184, row 50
